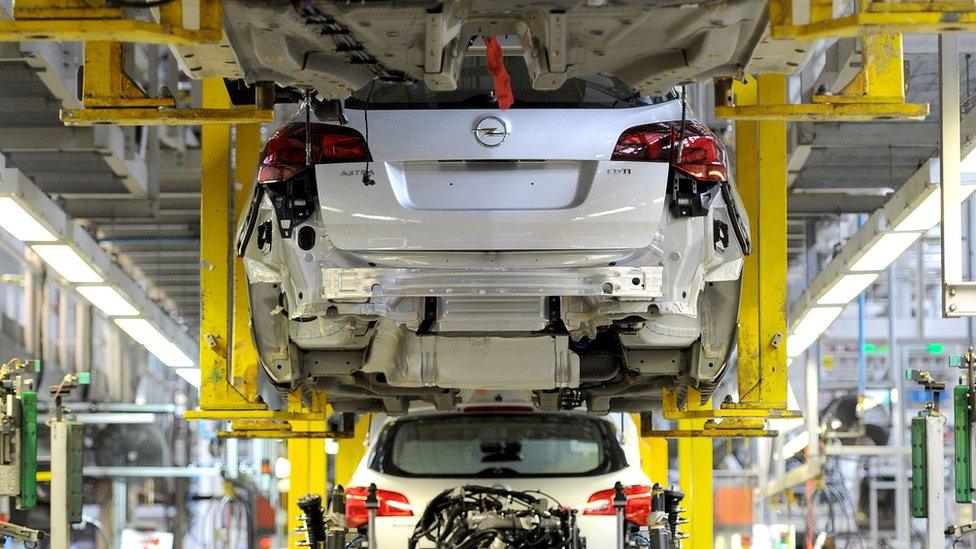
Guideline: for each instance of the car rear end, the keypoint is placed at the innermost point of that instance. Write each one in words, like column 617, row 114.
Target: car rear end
column 577, row 225
column 568, row 457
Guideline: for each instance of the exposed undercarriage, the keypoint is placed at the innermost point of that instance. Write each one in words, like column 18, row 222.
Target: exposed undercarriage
column 379, row 330
column 336, row 46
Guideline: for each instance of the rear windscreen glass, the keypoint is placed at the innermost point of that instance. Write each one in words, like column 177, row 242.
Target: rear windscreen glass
column 475, row 90
column 498, row 445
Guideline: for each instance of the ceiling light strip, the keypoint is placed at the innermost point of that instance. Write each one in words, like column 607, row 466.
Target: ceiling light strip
column 910, row 212
column 72, row 252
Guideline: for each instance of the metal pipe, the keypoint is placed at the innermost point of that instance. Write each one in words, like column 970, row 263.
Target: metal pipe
column 842, row 450
column 897, row 416
column 372, row 504
column 873, row 502
column 150, row 472
column 619, row 504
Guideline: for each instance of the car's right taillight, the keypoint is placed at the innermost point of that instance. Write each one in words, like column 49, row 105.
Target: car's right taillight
column 284, row 154
column 638, row 503
column 701, row 155
column 392, row 504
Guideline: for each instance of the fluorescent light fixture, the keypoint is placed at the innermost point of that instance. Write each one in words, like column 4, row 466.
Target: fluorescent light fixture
column 846, row 288
column 63, row 259
column 331, row 447
column 155, row 342
column 21, row 224
column 929, row 211
column 124, row 418
column 814, row 322
column 925, row 216
column 190, row 375
column 884, row 251
column 796, row 444
column 108, row 300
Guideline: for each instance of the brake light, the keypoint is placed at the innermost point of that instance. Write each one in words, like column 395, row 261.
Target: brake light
column 284, row 153
column 392, row 504
column 702, row 154
column 638, row 503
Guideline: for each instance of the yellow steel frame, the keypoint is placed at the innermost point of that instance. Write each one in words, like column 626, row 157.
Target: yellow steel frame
column 653, row 454
column 761, row 173
column 351, row 451
column 228, row 360
column 217, row 391
column 244, row 356
column 873, row 17
column 110, row 96
column 695, row 479
column 876, row 93
column 98, row 21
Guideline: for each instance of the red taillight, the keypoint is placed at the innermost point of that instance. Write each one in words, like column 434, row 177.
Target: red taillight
column 392, row 504
column 284, row 153
column 638, row 503
column 702, row 154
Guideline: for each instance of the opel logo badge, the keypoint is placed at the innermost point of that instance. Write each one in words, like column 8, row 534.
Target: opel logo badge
column 491, row 131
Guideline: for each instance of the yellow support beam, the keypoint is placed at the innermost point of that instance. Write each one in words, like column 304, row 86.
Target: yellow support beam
column 351, row 451
column 129, row 116
column 761, row 177
column 936, row 20
column 244, row 358
column 654, row 455
column 110, row 96
column 695, row 479
column 105, row 83
column 216, row 261
column 876, row 93
column 99, row 21
column 308, row 463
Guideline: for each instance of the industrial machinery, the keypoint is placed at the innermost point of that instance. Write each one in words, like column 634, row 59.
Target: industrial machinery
column 326, row 528
column 928, row 490
column 489, row 517
column 964, row 414
column 67, row 460
column 18, row 444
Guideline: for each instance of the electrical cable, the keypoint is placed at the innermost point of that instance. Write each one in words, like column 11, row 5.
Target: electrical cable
column 367, row 176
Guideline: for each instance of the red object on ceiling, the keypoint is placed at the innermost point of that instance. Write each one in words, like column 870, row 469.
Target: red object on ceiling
column 498, row 72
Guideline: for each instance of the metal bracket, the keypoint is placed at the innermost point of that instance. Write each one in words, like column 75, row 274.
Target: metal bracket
column 876, row 93
column 96, row 20
column 110, row 96
column 730, row 419
column 873, row 17
column 713, row 428
column 248, row 415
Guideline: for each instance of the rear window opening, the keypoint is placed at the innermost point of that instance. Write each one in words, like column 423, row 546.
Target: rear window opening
column 475, row 91
column 498, row 446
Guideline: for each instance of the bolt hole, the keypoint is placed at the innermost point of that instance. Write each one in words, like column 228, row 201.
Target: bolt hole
column 635, row 281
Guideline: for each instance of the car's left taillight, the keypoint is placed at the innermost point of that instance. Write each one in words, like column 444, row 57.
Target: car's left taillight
column 392, row 504
column 701, row 155
column 638, row 506
column 284, row 153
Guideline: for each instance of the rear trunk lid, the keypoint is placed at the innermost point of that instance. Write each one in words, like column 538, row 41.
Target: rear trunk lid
column 531, row 179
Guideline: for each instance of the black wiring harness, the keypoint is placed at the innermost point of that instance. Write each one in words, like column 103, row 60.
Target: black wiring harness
column 475, row 517
column 345, row 43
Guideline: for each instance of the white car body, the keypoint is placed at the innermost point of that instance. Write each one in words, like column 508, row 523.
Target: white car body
column 501, row 250
column 572, row 492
